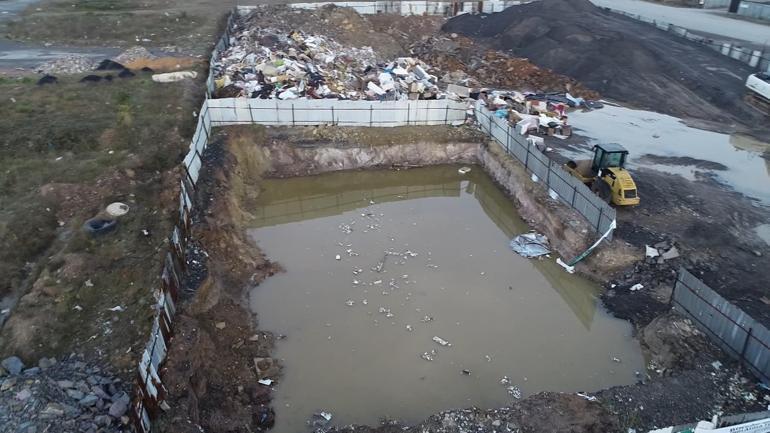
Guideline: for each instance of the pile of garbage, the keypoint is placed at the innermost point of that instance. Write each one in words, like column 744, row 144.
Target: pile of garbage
column 535, row 113
column 266, row 63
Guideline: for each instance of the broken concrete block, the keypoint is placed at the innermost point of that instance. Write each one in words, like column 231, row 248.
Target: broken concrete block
column 670, row 254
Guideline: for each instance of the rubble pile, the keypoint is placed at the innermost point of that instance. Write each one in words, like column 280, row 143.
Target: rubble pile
column 265, row 63
column 471, row 64
column 73, row 64
column 68, row 395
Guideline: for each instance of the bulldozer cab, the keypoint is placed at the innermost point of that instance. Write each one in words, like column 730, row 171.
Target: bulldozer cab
column 608, row 156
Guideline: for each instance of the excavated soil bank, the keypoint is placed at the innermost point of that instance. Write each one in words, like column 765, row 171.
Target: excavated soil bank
column 622, row 59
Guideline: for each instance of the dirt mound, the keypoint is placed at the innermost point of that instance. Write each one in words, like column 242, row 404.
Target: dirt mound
column 619, row 57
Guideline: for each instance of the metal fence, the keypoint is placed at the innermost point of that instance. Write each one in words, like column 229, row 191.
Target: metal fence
column 758, row 59
column 754, row 10
column 730, row 327
column 304, row 112
column 716, row 4
column 569, row 189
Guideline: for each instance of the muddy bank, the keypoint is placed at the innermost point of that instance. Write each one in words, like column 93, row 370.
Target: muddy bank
column 622, row 59
column 210, row 373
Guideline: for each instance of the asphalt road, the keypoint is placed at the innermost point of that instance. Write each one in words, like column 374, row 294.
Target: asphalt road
column 701, row 20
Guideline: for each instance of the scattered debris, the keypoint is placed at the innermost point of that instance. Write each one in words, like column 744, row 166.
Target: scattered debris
column 441, row 341
column 266, row 382
column 464, row 170
column 172, row 77
column 636, row 287
column 429, row 356
column 530, row 245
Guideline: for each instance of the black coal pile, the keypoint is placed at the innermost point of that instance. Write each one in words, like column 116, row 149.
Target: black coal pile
column 621, row 58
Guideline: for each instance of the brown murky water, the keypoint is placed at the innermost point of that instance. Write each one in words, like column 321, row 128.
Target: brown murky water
column 422, row 253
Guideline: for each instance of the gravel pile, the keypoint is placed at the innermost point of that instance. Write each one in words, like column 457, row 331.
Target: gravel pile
column 72, row 64
column 64, row 396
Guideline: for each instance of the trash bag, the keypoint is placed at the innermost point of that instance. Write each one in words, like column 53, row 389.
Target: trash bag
column 530, row 245
column 109, row 65
column 99, row 226
column 47, row 79
column 91, row 79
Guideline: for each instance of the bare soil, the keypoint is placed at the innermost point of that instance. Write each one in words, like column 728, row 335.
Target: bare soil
column 67, row 151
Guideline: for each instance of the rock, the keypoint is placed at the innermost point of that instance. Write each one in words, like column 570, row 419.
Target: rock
column 99, row 392
column 46, row 362
column 103, row 420
column 8, row 384
column 75, row 394
column 496, row 423
column 23, row 394
column 52, row 410
column 670, row 254
column 32, row 371
column 119, row 405
column 12, row 365
column 88, row 400
column 221, row 325
column 64, row 384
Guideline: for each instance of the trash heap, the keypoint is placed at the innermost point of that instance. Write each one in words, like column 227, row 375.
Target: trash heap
column 535, row 113
column 268, row 64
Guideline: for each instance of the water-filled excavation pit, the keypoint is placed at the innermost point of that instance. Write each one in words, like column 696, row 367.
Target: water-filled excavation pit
column 378, row 263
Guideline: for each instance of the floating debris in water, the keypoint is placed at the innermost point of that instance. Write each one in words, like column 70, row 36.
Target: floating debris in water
column 441, row 341
column 426, row 319
column 350, row 302
column 429, row 356
column 409, row 328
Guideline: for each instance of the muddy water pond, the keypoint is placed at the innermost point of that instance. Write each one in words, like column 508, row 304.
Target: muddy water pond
column 378, row 263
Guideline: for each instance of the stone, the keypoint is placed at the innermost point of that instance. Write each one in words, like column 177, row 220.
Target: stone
column 88, row 400
column 119, row 405
column 8, row 384
column 23, row 394
column 75, row 394
column 221, row 325
column 496, row 423
column 52, row 410
column 12, row 365
column 670, row 254
column 32, row 371
column 103, row 420
column 64, row 384
column 46, row 362
column 99, row 392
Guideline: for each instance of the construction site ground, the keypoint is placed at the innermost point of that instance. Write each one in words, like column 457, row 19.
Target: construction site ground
column 69, row 149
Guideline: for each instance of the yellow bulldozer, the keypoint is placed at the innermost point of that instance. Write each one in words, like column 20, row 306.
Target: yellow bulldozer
column 606, row 174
